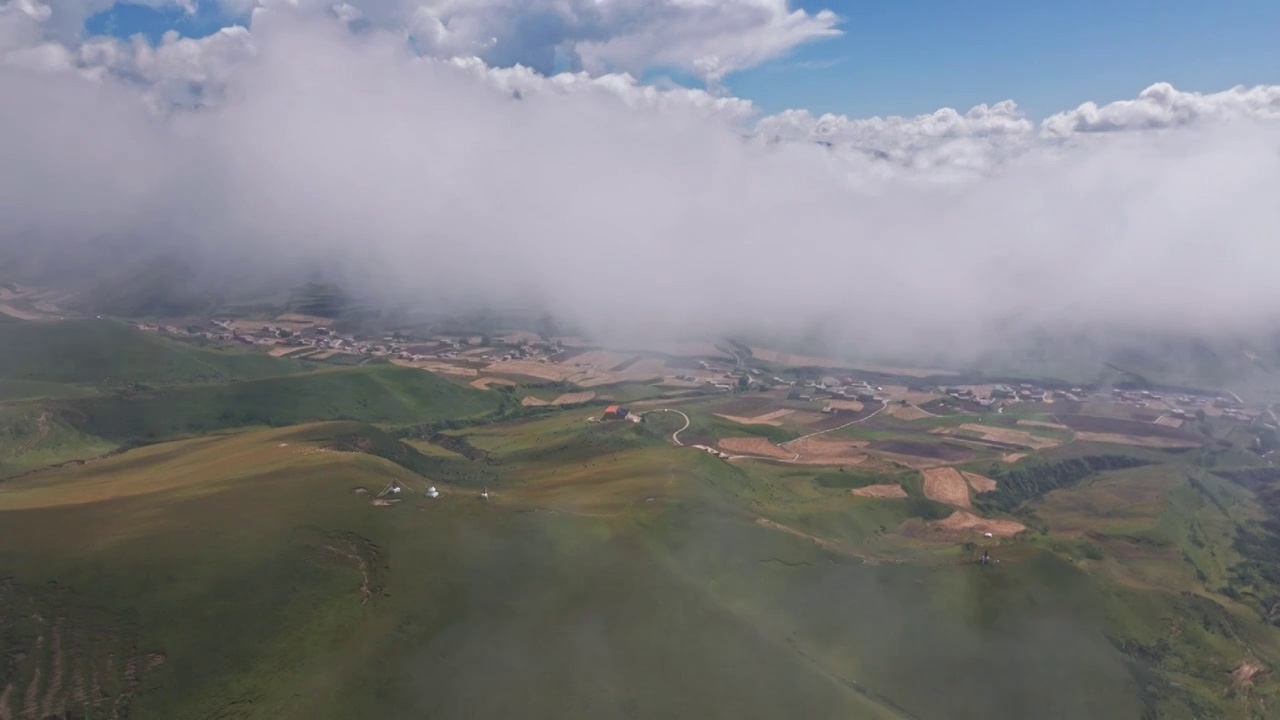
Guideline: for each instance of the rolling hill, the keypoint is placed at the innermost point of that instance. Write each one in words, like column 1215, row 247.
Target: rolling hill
column 378, row 394
column 103, row 354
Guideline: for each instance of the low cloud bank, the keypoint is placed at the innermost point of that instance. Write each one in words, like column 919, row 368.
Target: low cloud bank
column 304, row 144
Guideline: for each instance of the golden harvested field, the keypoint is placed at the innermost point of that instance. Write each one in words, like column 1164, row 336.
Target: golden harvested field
column 769, row 418
column 908, row 412
column 1042, row 424
column 282, row 350
column 946, row 485
column 1012, row 458
column 1150, row 442
column 755, row 446
column 589, row 369
column 979, row 483
column 961, row 520
column 485, row 382
column 880, row 491
column 1011, row 437
column 528, row 368
column 565, row 399
column 438, row 367
column 835, row 451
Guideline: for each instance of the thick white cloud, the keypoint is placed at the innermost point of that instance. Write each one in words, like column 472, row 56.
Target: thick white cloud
column 1163, row 106
column 706, row 37
column 634, row 209
column 709, row 38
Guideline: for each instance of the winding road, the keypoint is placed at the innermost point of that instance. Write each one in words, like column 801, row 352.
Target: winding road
column 675, row 436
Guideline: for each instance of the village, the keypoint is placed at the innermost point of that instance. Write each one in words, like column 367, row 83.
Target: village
column 701, row 369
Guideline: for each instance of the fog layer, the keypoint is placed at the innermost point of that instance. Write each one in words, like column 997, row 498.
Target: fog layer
column 306, row 143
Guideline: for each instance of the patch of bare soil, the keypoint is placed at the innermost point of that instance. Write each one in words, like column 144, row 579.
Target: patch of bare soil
column 565, row 399
column 1010, row 437
column 947, row 485
column 979, row 483
column 816, row 451
column 484, row 382
column 908, row 412
column 769, row 418
column 893, row 490
column 1012, row 458
column 961, row 520
column 440, row 367
column 1169, row 421
column 1243, row 675
column 541, row 371
column 1151, row 442
column 574, row 398
column 755, row 446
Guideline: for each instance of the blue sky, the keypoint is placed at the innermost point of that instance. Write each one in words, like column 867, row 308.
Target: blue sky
column 905, row 57
column 908, row 57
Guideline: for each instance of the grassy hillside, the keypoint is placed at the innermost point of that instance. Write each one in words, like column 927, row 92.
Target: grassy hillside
column 107, row 354
column 313, row 603
column 33, row 437
column 379, row 394
column 610, row 574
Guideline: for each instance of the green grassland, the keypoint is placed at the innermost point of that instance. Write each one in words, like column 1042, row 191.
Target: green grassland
column 610, row 575
column 380, row 394
column 568, row 591
column 102, row 354
column 32, row 437
column 237, row 566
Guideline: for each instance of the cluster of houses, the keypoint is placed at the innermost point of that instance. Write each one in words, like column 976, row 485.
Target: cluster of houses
column 840, row 388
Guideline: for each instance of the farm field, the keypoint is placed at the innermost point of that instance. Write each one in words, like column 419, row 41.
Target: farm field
column 239, row 535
